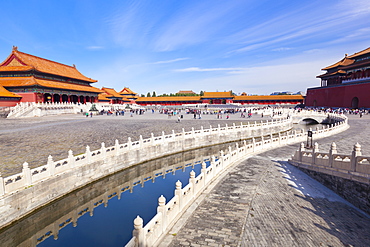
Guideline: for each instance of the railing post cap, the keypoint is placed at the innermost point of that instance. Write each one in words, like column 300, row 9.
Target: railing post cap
column 161, row 201
column 25, row 165
column 178, row 184
column 138, row 222
column 192, row 174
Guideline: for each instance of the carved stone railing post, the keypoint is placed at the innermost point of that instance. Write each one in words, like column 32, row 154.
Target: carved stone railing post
column 230, row 150
column 314, row 151
column 237, row 150
column 103, row 150
column 71, row 159
column 178, row 192
column 356, row 152
column 116, row 147
column 152, row 139
column 162, row 209
column 138, row 232
column 26, row 174
column 222, row 159
column 51, row 166
column 204, row 171
column 192, row 182
column 141, row 141
column 332, row 151
column 173, row 135
column 129, row 143
column 301, row 149
column 88, row 154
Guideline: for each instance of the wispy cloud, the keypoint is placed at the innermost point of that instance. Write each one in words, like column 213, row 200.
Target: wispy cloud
column 194, row 24
column 303, row 24
column 282, row 49
column 197, row 69
column 171, row 61
column 95, row 47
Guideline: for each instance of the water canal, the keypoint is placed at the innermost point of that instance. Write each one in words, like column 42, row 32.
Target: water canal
column 102, row 213
column 116, row 200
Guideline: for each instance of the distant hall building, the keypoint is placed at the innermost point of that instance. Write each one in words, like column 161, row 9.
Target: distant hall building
column 27, row 78
column 345, row 83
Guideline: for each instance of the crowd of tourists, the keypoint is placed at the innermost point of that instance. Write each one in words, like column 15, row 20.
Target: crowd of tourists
column 337, row 110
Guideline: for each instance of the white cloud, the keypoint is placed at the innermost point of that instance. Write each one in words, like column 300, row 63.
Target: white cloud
column 171, row 61
column 197, row 69
column 282, row 49
column 95, row 47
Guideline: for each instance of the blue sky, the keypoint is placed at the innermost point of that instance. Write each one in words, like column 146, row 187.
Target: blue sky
column 252, row 46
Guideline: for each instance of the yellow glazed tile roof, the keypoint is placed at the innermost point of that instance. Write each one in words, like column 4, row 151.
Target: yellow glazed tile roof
column 163, row 99
column 111, row 92
column 344, row 62
column 126, row 90
column 17, row 60
column 30, row 81
column 367, row 50
column 103, row 96
column 6, row 93
column 217, row 95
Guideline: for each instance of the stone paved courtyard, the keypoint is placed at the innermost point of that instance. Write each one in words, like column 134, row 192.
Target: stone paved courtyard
column 32, row 140
column 263, row 201
column 260, row 202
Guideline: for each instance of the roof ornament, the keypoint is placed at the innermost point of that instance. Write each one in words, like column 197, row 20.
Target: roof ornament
column 74, row 65
column 346, row 54
column 15, row 48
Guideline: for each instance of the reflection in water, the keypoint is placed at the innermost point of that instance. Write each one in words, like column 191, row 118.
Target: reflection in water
column 67, row 219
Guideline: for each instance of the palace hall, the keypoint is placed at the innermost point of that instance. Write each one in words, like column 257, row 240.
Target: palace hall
column 345, row 83
column 222, row 98
column 28, row 78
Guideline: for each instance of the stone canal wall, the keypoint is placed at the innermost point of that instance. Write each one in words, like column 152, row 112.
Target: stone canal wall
column 346, row 174
column 168, row 213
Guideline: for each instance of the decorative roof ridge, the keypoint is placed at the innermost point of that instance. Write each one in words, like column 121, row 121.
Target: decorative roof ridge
column 16, row 51
column 367, row 50
column 341, row 62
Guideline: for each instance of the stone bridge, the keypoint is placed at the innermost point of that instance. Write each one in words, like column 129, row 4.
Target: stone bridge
column 311, row 117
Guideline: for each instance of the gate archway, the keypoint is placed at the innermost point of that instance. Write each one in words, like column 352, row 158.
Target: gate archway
column 354, row 103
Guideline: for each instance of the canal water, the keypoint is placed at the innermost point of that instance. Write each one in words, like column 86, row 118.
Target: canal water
column 102, row 213
column 70, row 221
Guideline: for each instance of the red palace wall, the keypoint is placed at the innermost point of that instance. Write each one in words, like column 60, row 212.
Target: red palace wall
column 28, row 97
column 8, row 103
column 339, row 96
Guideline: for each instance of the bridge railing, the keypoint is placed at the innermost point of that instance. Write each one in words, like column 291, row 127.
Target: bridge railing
column 143, row 235
column 188, row 192
column 352, row 165
column 78, row 170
